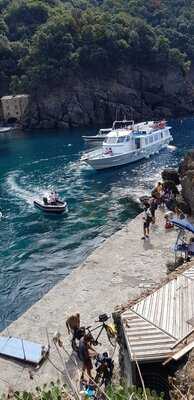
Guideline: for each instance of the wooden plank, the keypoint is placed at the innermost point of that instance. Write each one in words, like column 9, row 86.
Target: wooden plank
column 176, row 356
column 183, row 351
column 183, row 338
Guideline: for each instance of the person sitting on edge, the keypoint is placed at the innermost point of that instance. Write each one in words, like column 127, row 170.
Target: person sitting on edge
column 157, row 192
column 179, row 213
column 159, row 187
column 168, row 198
column 168, row 223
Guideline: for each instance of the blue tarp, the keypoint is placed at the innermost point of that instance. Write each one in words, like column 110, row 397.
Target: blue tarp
column 183, row 224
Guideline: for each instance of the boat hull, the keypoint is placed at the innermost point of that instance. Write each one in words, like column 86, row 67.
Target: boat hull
column 51, row 209
column 5, row 129
column 117, row 160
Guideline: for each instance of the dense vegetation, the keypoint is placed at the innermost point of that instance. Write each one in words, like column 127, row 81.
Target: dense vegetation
column 41, row 40
column 55, row 391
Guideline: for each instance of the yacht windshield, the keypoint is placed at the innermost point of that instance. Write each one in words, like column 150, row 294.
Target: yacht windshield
column 118, row 139
column 122, row 139
column 123, row 124
column 111, row 140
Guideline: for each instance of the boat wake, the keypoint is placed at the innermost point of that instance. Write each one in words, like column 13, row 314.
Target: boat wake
column 14, row 188
column 144, row 184
column 45, row 160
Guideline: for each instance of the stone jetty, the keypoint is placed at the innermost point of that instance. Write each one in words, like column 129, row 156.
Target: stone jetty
column 117, row 271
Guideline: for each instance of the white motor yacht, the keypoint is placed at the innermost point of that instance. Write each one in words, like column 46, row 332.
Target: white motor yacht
column 128, row 142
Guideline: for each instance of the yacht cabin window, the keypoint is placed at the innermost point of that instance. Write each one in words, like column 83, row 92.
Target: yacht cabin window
column 138, row 143
column 111, row 140
column 151, row 139
column 121, row 139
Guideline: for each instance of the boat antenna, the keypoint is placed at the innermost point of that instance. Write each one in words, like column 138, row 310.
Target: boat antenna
column 131, row 109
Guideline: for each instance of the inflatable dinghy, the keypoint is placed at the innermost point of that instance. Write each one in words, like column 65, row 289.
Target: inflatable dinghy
column 58, row 207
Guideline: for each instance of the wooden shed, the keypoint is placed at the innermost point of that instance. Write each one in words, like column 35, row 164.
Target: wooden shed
column 155, row 328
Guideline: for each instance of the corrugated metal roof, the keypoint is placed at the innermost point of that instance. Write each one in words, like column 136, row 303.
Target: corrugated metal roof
column 189, row 273
column 154, row 324
column 170, row 307
column 145, row 341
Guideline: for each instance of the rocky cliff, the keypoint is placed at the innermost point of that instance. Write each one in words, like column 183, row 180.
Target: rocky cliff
column 88, row 99
column 186, row 171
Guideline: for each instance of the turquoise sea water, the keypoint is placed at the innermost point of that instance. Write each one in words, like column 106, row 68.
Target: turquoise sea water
column 37, row 250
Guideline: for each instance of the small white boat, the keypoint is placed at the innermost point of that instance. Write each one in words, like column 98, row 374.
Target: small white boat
column 57, row 207
column 5, row 129
column 100, row 137
column 128, row 142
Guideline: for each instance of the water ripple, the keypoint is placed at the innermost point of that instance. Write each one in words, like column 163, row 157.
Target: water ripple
column 37, row 250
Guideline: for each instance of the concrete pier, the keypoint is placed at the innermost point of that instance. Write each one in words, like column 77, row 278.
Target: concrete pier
column 117, row 271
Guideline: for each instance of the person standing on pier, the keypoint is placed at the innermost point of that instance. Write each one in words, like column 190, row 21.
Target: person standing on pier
column 147, row 219
column 86, row 352
column 153, row 208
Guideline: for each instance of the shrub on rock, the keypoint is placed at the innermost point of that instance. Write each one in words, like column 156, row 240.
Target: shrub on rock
column 170, row 174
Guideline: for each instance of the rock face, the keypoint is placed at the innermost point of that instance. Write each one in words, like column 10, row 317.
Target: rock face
column 183, row 382
column 186, row 171
column 183, row 205
column 172, row 175
column 171, row 178
column 86, row 99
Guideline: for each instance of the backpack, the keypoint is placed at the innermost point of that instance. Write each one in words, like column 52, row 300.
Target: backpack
column 148, row 215
column 80, row 332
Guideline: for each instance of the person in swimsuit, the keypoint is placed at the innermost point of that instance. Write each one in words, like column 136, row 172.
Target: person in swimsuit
column 85, row 353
